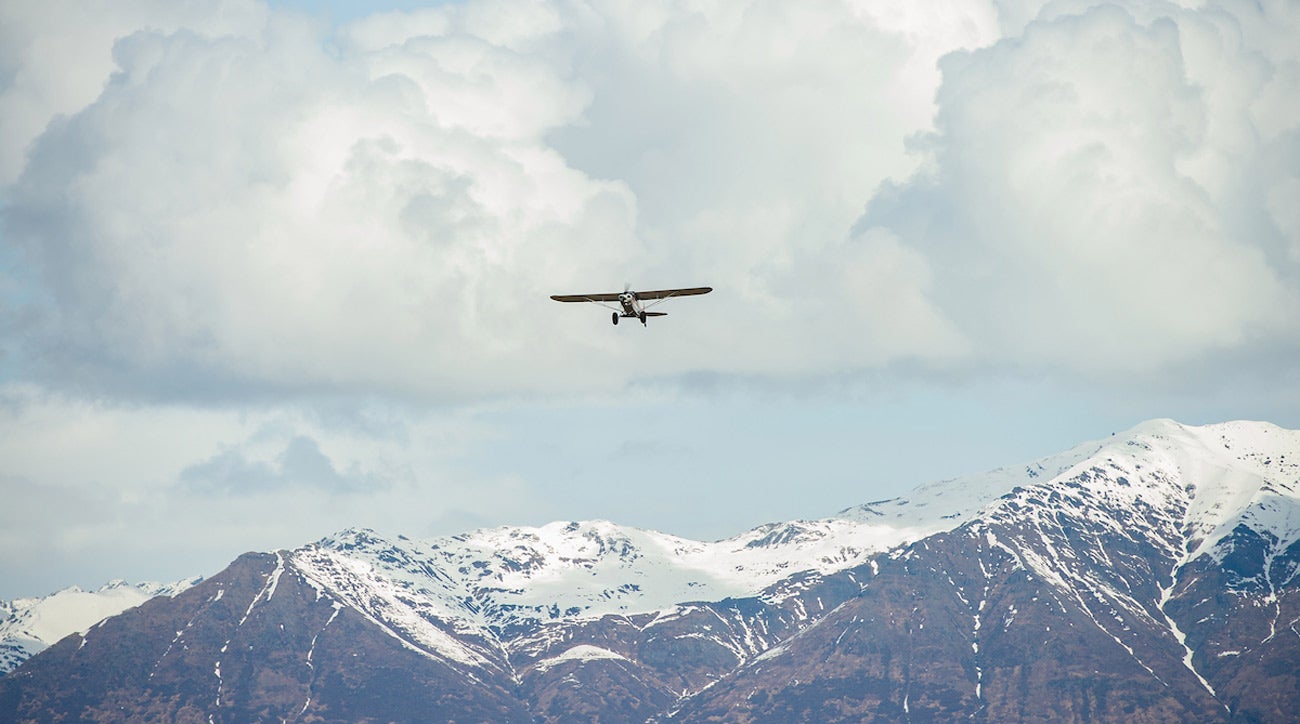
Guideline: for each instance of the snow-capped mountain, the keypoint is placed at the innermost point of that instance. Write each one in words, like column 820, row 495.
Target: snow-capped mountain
column 1153, row 578
column 510, row 576
column 1149, row 575
column 30, row 625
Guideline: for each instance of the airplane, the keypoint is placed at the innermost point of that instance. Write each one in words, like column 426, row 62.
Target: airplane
column 630, row 301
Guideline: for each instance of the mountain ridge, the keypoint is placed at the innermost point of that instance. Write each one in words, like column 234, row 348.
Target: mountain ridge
column 30, row 625
column 1165, row 558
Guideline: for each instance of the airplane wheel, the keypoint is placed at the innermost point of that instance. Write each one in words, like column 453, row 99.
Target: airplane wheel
column 643, row 319
column 615, row 318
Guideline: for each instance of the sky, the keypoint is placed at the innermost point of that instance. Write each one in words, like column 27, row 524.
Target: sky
column 268, row 271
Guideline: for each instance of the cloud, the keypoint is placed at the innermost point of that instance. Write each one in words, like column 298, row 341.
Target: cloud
column 1080, row 210
column 244, row 212
column 259, row 209
column 55, row 56
column 257, row 206
column 99, row 489
column 301, row 463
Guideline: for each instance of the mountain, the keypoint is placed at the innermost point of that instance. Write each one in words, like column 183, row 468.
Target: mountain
column 30, row 625
column 1149, row 576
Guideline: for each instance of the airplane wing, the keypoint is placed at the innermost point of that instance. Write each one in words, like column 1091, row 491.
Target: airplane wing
column 611, row 297
column 666, row 293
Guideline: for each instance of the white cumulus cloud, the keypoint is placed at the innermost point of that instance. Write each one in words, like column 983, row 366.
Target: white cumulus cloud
column 277, row 206
column 1081, row 207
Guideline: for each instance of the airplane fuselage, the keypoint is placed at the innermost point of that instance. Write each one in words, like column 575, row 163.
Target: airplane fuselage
column 631, row 305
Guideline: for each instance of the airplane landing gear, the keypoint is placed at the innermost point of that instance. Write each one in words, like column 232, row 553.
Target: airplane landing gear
column 642, row 319
column 615, row 318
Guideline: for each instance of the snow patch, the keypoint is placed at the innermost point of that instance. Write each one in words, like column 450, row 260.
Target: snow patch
column 581, row 652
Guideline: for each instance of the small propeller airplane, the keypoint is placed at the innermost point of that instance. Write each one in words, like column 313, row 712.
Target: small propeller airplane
column 631, row 302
